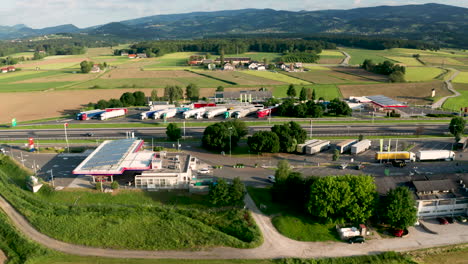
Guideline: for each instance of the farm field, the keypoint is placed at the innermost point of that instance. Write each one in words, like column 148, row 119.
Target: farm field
column 256, row 56
column 412, row 93
column 51, row 64
column 276, row 76
column 21, row 54
column 177, row 59
column 328, row 76
column 441, row 61
column 462, row 77
column 408, row 61
column 418, row 74
column 359, row 55
column 137, row 73
column 327, row 91
column 331, row 57
column 361, row 73
column 456, row 103
column 240, row 78
column 60, row 77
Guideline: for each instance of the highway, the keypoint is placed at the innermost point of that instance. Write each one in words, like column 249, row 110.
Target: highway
column 160, row 132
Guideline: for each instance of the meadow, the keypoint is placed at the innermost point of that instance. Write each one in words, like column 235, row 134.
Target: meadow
column 462, row 77
column 419, row 74
column 408, row 61
column 331, row 57
column 276, row 76
column 327, row 91
column 456, row 103
column 240, row 77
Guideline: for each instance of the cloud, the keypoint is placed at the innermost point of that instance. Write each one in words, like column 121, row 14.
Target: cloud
column 357, row 2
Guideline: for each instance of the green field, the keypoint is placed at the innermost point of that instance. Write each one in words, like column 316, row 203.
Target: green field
column 327, row 91
column 419, row 74
column 239, row 77
column 462, row 77
column 440, row 61
column 21, row 54
column 277, row 77
column 201, row 81
column 456, row 103
column 359, row 55
column 302, row 228
column 256, row 56
column 408, row 61
column 333, row 53
column 177, row 59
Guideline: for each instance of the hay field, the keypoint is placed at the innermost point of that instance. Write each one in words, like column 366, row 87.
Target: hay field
column 419, row 74
column 137, row 73
column 319, row 77
column 462, row 77
column 361, row 73
column 441, row 60
column 408, row 61
column 327, row 91
column 413, row 93
column 51, row 64
column 240, row 78
column 331, row 57
column 277, row 77
column 65, row 77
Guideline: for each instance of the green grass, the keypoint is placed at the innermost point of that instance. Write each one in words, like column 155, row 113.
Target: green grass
column 419, row 74
column 128, row 220
column 408, row 61
column 456, row 103
column 21, row 54
column 327, row 91
column 262, row 196
column 303, row 228
column 462, row 77
column 331, row 53
column 177, row 59
column 55, row 66
column 29, row 87
column 277, row 77
column 256, row 56
column 25, row 75
column 359, row 55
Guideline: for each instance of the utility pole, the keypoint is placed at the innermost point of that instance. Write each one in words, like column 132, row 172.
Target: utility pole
column 184, row 129
column 66, row 136
column 310, row 128
column 230, row 135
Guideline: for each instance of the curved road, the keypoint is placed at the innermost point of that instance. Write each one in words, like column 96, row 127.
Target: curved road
column 346, row 60
column 449, row 85
column 275, row 245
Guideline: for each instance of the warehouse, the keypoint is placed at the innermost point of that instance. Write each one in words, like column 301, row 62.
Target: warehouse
column 385, row 102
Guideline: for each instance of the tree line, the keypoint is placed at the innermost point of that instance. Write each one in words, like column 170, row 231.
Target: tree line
column 281, row 138
column 395, row 72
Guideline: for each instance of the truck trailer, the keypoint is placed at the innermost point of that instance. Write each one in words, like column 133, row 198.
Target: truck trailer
column 245, row 112
column 300, row 148
column 267, row 111
column 147, row 114
column 230, row 112
column 317, row 147
column 345, row 145
column 167, row 113
column 427, row 155
column 87, row 115
column 360, row 146
column 197, row 111
column 112, row 114
column 214, row 111
column 395, row 155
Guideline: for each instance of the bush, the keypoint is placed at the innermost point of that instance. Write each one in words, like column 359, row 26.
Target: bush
column 98, row 186
column 114, row 185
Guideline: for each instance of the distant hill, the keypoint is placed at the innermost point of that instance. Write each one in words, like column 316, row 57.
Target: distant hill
column 435, row 23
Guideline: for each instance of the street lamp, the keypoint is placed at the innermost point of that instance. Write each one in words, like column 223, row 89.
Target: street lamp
column 230, row 135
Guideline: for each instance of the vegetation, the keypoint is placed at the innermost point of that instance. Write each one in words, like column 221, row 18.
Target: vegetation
column 223, row 194
column 192, row 92
column 264, row 142
column 339, row 108
column 397, row 208
column 224, row 136
column 289, row 134
column 173, row 132
column 308, row 109
column 457, row 127
column 395, row 72
column 306, row 57
column 173, row 93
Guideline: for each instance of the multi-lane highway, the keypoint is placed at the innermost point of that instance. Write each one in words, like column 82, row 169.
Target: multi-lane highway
column 149, row 132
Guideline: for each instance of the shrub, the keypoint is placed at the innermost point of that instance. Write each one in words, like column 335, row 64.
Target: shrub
column 114, row 185
column 98, row 186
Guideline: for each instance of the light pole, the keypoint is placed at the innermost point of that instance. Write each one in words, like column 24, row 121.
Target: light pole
column 230, row 135
column 66, row 136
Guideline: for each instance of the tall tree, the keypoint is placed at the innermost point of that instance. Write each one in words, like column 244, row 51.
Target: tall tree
column 282, row 171
column 264, row 142
column 237, row 191
column 86, row 66
column 221, row 56
column 398, row 208
column 173, row 132
column 303, row 94
column 140, row 98
column 127, row 99
column 457, row 127
column 291, row 92
column 309, row 94
column 220, row 89
column 313, row 95
column 192, row 91
column 154, row 95
column 219, row 193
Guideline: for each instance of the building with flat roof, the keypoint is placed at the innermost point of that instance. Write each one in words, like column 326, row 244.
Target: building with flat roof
column 246, row 96
column 385, row 102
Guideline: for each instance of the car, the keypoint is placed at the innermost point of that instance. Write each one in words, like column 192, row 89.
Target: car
column 89, row 134
column 204, row 171
column 442, row 221
column 271, row 178
column 461, row 219
column 398, row 232
column 449, row 219
column 356, row 239
column 398, row 163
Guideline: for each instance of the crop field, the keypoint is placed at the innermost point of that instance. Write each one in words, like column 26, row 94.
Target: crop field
column 412, row 93
column 330, row 57
column 462, row 77
column 408, row 61
column 64, row 77
column 256, row 56
column 361, row 73
column 327, row 91
column 177, row 59
column 137, row 73
column 439, row 61
column 51, row 64
column 276, row 76
column 359, row 55
column 201, row 81
column 319, row 77
column 419, row 74
column 21, row 54
column 456, row 103
column 240, row 78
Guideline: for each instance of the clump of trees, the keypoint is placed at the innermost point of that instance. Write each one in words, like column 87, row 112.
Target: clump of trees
column 457, row 127
column 224, row 135
column 395, row 72
column 223, row 194
column 137, row 98
column 282, row 138
column 309, row 109
column 86, row 66
column 397, row 208
column 173, row 132
column 305, row 57
column 339, row 108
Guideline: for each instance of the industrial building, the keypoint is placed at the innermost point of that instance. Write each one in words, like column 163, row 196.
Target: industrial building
column 114, row 158
column 243, row 96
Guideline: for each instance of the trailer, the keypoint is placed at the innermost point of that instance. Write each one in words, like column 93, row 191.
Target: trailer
column 181, row 110
column 317, row 147
column 244, row 112
column 113, row 109
column 427, row 155
column 230, row 112
column 300, row 148
column 147, row 114
column 395, row 155
column 167, row 113
column 267, row 111
column 87, row 115
column 112, row 114
column 161, row 107
column 201, row 105
column 215, row 111
column 462, row 143
column 193, row 112
column 360, row 146
column 345, row 145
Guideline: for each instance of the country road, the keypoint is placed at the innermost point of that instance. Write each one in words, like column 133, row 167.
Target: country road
column 449, row 85
column 346, row 60
column 275, row 245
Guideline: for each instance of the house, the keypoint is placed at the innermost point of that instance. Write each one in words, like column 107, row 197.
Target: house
column 235, row 60
column 207, row 61
column 253, row 66
column 11, row 68
column 132, row 56
column 211, row 66
column 228, row 67
column 142, row 55
column 196, row 60
column 95, row 68
column 4, row 70
column 261, row 68
column 123, row 53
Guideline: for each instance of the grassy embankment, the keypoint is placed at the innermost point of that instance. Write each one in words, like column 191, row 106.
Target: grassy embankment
column 129, row 219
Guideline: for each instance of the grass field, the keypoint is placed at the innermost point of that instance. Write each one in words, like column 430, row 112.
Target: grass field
column 302, row 228
column 177, row 59
column 408, row 61
column 440, row 61
column 462, row 77
column 361, row 74
column 20, row 54
column 330, row 57
column 359, row 55
column 456, row 103
column 319, row 76
column 419, row 74
column 276, row 76
column 327, row 91
column 240, row 78
column 256, row 56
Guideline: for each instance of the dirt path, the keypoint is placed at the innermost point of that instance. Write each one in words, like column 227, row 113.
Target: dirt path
column 275, row 245
column 345, row 61
column 449, row 85
column 3, row 258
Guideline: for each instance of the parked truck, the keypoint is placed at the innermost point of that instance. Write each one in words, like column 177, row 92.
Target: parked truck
column 147, row 114
column 317, row 147
column 395, row 155
column 87, row 115
column 345, row 145
column 214, row 111
column 427, row 155
column 267, row 111
column 167, row 113
column 230, row 112
column 112, row 114
column 462, row 143
column 245, row 112
column 300, row 148
column 190, row 113
column 360, row 146
column 155, row 107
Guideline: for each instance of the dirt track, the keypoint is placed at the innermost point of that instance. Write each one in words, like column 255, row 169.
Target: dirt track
column 2, row 257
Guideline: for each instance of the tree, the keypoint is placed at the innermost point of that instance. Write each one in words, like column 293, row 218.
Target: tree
column 264, row 142
column 140, row 98
column 127, row 99
column 113, row 103
column 239, row 126
column 86, row 66
column 101, row 104
column 192, row 91
column 303, row 94
column 173, row 132
column 289, row 134
column 291, row 91
column 221, row 56
column 339, row 107
column 154, row 95
column 336, row 155
column 219, row 193
column 300, row 110
column 282, row 171
column 220, row 89
column 313, row 95
column 309, row 93
column 397, row 77
column 457, row 127
column 236, row 191
column 398, row 208
column 114, row 185
column 219, row 137
column 173, row 93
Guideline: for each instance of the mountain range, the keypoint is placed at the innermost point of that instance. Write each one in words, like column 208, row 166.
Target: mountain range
column 436, row 23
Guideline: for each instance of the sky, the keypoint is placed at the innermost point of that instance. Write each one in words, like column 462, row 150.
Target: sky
column 85, row 13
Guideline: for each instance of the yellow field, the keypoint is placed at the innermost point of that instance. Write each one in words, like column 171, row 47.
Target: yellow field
column 16, row 74
column 418, row 74
column 331, row 53
column 409, row 61
column 276, row 76
column 462, row 77
column 440, row 60
column 318, row 68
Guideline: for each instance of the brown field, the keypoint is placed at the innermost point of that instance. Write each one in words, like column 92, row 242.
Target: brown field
column 441, row 60
column 137, row 63
column 47, row 62
column 39, row 105
column 320, row 77
column 362, row 73
column 412, row 93
column 241, row 78
column 330, row 61
column 66, row 77
column 137, row 73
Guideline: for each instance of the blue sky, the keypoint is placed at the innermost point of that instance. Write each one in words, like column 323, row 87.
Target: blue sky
column 84, row 13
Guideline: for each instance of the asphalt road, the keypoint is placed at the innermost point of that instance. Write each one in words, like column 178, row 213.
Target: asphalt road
column 160, row 132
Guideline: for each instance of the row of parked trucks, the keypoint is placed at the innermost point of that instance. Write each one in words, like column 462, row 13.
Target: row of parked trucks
column 102, row 114
column 422, row 155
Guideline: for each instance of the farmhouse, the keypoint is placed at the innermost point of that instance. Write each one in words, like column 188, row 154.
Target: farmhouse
column 196, row 60
column 11, row 68
column 4, row 70
column 257, row 66
column 228, row 67
column 132, row 56
column 95, row 68
column 123, row 53
column 142, row 55
column 235, row 60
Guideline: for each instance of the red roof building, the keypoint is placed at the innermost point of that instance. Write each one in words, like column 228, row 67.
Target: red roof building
column 132, row 56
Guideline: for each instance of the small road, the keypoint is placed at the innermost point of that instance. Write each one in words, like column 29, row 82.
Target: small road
column 3, row 258
column 449, row 85
column 345, row 61
column 275, row 245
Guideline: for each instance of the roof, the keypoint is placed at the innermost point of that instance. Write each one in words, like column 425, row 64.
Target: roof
column 385, row 101
column 346, row 142
column 114, row 157
column 435, row 186
column 236, row 94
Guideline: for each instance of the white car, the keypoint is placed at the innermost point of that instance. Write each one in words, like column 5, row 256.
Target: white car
column 204, row 171
column 271, row 178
